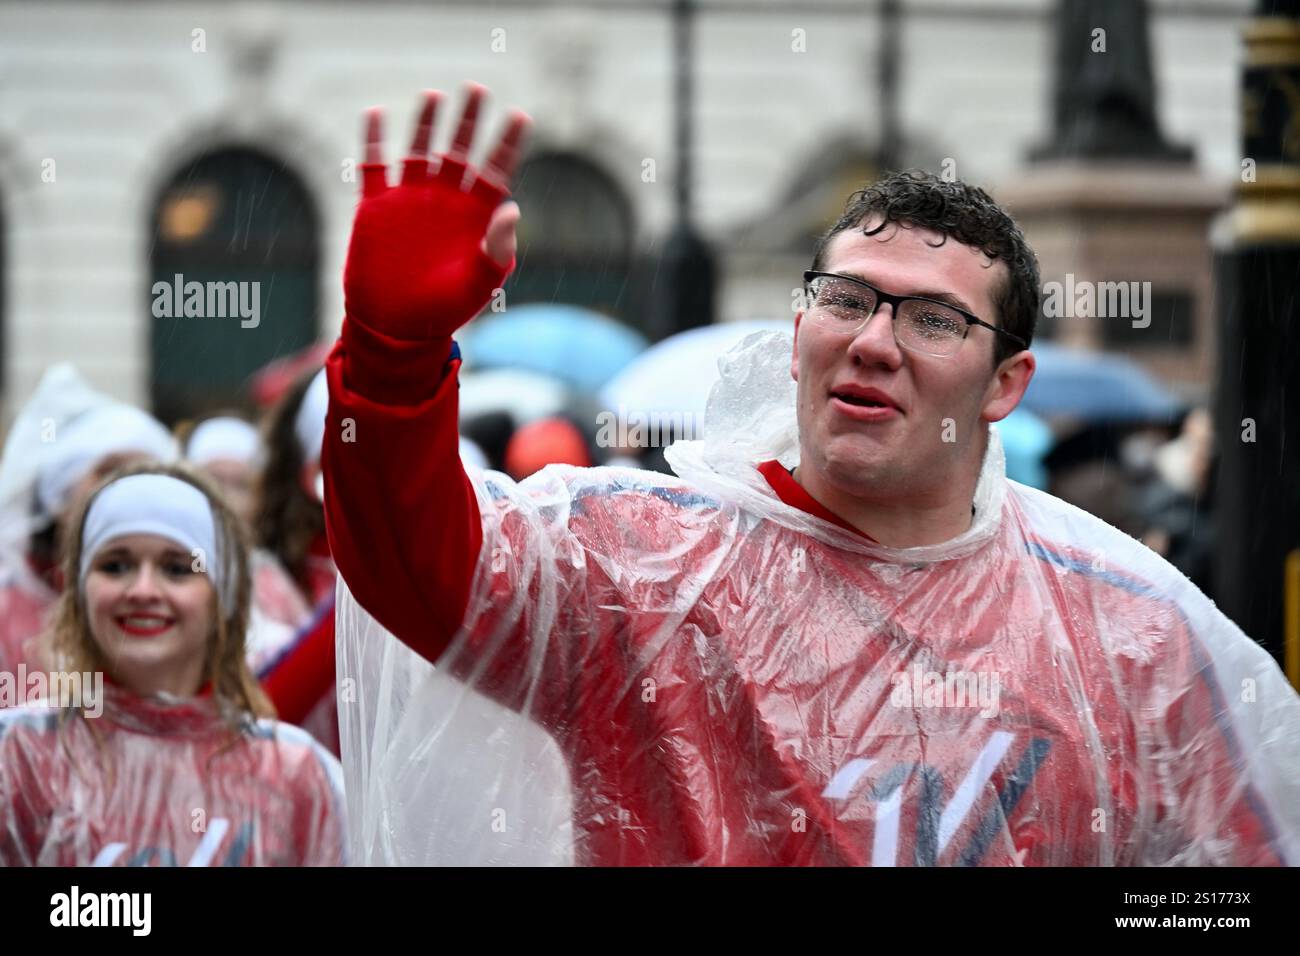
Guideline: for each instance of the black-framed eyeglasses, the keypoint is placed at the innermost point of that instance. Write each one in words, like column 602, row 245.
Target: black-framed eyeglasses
column 845, row 304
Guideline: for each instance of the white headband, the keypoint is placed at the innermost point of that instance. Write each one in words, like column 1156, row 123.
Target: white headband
column 161, row 505
column 309, row 426
column 223, row 438
column 82, row 443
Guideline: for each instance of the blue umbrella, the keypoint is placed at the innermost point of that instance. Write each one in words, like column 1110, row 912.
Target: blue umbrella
column 1026, row 440
column 1096, row 387
column 577, row 346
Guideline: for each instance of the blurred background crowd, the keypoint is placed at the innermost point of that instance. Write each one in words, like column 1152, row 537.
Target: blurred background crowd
column 686, row 155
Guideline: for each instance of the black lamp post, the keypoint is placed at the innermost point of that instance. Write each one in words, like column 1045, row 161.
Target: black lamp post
column 684, row 289
column 1257, row 406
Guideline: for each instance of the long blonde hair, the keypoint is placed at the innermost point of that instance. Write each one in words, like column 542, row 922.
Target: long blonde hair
column 68, row 642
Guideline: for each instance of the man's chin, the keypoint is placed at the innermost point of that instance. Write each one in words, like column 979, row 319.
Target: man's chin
column 855, row 453
column 864, row 473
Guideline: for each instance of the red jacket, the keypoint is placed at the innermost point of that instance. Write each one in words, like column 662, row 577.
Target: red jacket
column 730, row 689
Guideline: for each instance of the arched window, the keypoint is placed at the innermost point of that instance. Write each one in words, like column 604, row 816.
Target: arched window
column 233, row 281
column 575, row 237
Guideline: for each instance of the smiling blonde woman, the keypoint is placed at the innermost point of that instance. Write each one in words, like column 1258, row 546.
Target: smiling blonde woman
column 185, row 765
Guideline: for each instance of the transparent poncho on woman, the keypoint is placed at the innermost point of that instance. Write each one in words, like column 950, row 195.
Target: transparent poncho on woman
column 692, row 670
column 131, row 780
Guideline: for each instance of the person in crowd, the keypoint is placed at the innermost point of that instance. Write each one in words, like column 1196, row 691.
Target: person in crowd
column 1172, row 501
column 839, row 635
column 51, row 462
column 228, row 450
column 172, row 757
column 546, row 441
column 289, row 522
column 299, row 676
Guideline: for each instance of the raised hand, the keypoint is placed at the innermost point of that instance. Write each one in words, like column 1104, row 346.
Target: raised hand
column 427, row 253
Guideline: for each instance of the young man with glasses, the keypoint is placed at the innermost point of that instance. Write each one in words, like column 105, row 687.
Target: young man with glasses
column 887, row 655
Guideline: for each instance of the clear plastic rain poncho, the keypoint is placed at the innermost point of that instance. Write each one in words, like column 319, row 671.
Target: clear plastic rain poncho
column 163, row 781
column 688, row 670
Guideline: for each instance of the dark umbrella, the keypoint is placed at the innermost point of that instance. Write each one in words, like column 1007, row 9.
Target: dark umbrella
column 1097, row 387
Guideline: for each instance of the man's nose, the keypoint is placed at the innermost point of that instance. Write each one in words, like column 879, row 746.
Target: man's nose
column 874, row 343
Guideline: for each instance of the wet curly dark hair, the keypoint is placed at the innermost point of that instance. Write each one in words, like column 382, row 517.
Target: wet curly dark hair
column 966, row 213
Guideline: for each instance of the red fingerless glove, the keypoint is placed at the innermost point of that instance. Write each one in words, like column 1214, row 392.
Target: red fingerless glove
column 416, row 268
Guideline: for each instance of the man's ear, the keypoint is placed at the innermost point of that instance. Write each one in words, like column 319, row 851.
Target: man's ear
column 1008, row 385
column 794, row 357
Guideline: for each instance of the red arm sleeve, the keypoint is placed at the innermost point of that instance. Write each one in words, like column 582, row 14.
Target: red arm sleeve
column 298, row 680
column 403, row 523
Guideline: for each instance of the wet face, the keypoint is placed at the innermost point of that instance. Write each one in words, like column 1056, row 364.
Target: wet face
column 151, row 614
column 931, row 434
